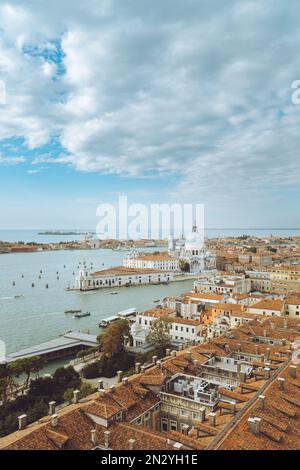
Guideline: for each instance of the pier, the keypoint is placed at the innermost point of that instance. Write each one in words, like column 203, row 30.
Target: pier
column 66, row 345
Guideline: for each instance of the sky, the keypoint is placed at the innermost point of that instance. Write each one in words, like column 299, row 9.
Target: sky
column 165, row 102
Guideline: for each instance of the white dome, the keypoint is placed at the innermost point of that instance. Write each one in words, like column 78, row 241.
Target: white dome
column 194, row 241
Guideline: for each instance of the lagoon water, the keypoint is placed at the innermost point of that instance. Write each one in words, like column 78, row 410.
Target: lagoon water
column 39, row 315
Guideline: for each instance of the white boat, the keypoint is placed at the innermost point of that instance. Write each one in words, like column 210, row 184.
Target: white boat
column 130, row 312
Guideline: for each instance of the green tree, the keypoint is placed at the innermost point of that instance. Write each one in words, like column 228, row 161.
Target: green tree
column 27, row 366
column 184, row 266
column 68, row 395
column 112, row 340
column 159, row 337
column 86, row 389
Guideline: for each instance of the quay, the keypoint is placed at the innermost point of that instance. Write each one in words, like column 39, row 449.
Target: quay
column 66, row 345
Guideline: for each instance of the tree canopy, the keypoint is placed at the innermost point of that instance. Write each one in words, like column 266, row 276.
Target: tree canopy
column 159, row 337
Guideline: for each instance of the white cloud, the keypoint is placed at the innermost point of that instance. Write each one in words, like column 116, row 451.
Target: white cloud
column 187, row 88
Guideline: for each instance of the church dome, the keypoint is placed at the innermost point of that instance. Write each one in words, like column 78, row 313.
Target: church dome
column 194, row 241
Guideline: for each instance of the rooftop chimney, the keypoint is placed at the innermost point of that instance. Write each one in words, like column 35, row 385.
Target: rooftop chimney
column 285, row 323
column 94, row 437
column 125, row 381
column 281, row 383
column 100, row 384
column 106, row 439
column 293, row 372
column 54, row 420
column 143, row 368
column 212, row 419
column 137, row 367
column 185, row 429
column 131, row 443
column 112, row 388
column 119, row 374
column 101, row 392
column 76, row 394
column 202, row 411
column 267, row 355
column 189, row 356
column 52, row 405
column 154, row 359
column 22, row 419
column 159, row 363
column 261, row 401
column 168, row 352
column 239, row 347
column 254, row 425
column 267, row 371
column 173, row 353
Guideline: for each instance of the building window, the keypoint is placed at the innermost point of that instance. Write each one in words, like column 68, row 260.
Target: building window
column 164, row 425
column 173, row 425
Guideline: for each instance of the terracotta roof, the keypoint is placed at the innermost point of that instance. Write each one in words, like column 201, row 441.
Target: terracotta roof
column 268, row 304
column 124, row 271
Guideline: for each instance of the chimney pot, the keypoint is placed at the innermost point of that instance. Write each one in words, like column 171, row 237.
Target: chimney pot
column 94, row 437
column 185, row 429
column 254, row 425
column 54, row 420
column 293, row 372
column 261, row 401
column 52, row 405
column 22, row 419
column 281, row 383
column 212, row 419
column 137, row 367
column 106, row 439
column 202, row 411
column 173, row 353
column 267, row 371
column 189, row 356
column 119, row 374
column 131, row 443
column 100, row 384
column 76, row 394
column 125, row 381
column 168, row 352
column 154, row 359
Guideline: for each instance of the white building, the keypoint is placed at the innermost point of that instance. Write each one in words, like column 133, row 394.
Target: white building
column 191, row 250
column 222, row 283
column 182, row 330
column 119, row 276
column 292, row 307
column 161, row 261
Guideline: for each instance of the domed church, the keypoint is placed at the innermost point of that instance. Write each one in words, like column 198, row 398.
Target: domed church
column 190, row 250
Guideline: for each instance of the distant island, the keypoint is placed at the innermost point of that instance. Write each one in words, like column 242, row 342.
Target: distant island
column 58, row 232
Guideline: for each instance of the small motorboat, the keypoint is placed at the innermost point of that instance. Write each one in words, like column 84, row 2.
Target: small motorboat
column 19, row 296
column 81, row 315
column 114, row 293
column 72, row 311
